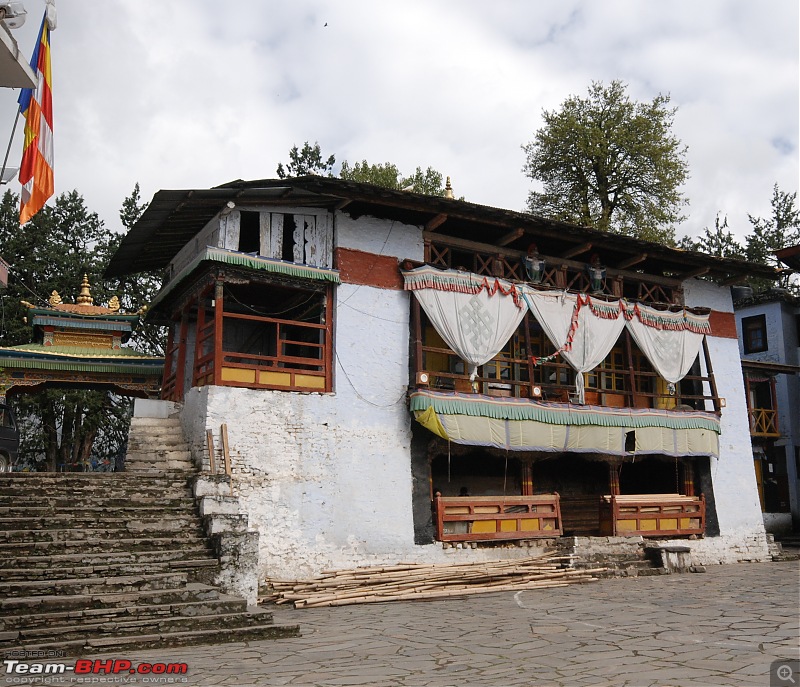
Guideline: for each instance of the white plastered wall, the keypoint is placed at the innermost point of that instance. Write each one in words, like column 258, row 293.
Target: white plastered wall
column 742, row 535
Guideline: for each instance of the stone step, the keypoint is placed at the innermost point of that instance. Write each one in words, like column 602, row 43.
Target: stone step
column 121, row 483
column 205, row 567
column 223, row 604
column 82, row 647
column 26, row 606
column 92, row 585
column 186, row 552
column 156, row 455
column 97, row 504
column 111, row 545
column 179, row 488
column 155, row 422
column 139, row 626
column 119, row 561
column 159, row 530
column 141, row 522
column 156, row 436
column 157, row 467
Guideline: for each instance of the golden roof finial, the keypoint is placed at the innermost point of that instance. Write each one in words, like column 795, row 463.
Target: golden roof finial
column 54, row 299
column 85, row 297
column 448, row 189
column 113, row 304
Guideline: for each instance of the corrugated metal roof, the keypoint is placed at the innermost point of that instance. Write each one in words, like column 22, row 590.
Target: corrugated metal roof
column 174, row 217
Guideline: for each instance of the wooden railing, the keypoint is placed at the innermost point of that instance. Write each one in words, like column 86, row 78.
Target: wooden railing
column 487, row 518
column 652, row 515
column 555, row 381
column 763, row 422
column 300, row 360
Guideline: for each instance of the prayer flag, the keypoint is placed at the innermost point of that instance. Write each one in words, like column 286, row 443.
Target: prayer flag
column 36, row 170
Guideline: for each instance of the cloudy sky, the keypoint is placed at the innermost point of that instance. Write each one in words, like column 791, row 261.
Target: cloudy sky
column 192, row 93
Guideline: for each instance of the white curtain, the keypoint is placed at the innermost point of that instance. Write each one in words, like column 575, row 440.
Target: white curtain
column 593, row 337
column 475, row 326
column 671, row 347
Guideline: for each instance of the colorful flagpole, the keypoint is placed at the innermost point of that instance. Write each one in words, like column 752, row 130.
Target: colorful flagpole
column 36, row 170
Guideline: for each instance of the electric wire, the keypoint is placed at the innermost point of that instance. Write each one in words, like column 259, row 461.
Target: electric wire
column 363, row 398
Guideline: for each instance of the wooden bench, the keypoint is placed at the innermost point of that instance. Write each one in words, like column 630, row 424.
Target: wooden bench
column 488, row 518
column 652, row 515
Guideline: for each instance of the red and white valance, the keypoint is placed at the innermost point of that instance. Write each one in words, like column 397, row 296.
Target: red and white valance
column 477, row 315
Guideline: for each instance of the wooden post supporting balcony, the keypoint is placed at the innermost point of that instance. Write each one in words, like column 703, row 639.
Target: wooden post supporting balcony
column 688, row 477
column 218, row 311
column 613, row 478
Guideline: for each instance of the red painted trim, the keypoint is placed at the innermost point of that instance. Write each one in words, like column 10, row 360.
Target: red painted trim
column 368, row 269
column 723, row 324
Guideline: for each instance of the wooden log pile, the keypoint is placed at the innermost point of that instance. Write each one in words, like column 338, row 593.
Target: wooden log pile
column 416, row 581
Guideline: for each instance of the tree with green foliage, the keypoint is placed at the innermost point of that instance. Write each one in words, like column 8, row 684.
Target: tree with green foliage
column 306, row 160
column 608, row 162
column 719, row 242
column 780, row 230
column 429, row 182
column 138, row 289
column 53, row 251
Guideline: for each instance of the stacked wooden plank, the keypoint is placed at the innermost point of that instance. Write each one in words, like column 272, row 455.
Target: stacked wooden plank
column 416, row 581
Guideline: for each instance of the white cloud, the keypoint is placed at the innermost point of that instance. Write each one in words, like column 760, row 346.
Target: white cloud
column 190, row 93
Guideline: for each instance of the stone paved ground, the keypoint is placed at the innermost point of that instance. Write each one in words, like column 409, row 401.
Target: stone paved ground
column 723, row 627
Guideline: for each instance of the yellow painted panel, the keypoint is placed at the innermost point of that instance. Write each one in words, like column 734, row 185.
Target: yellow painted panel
column 669, row 524
column 626, row 525
column 690, row 523
column 484, row 526
column 236, row 374
column 548, row 524
column 508, row 525
column 647, row 524
column 530, row 525
column 275, row 378
column 487, row 509
column 309, row 381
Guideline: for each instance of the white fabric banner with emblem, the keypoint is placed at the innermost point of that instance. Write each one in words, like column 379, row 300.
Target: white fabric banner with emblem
column 671, row 346
column 475, row 325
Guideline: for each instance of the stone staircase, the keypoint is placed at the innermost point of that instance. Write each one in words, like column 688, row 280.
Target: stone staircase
column 97, row 562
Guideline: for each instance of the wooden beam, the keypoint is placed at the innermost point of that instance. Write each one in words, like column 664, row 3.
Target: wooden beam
column 210, row 446
column 553, row 261
column 630, row 262
column 577, row 250
column 699, row 272
column 342, row 205
column 436, row 222
column 226, row 454
column 510, row 237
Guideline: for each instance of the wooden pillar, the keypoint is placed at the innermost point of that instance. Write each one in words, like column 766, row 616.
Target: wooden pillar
column 710, row 371
column 688, row 477
column 169, row 356
column 416, row 316
column 773, row 397
column 631, row 371
column 529, row 356
column 181, row 363
column 328, row 348
column 219, row 292
column 613, row 479
column 527, row 478
column 198, row 332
